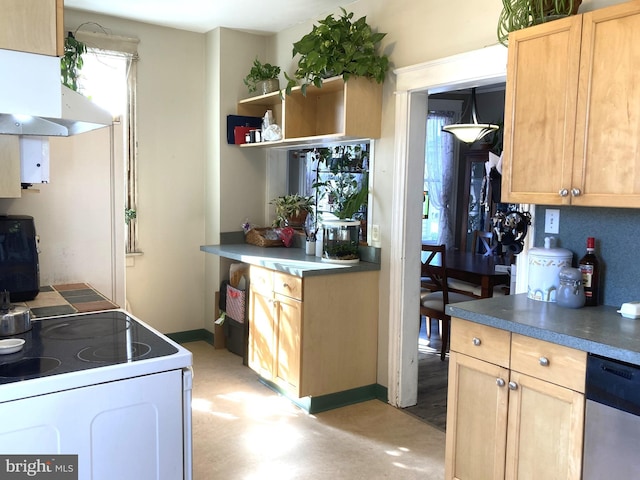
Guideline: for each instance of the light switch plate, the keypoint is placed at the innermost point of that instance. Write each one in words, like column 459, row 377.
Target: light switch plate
column 552, row 220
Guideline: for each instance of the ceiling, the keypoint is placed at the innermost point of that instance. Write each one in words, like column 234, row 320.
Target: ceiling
column 204, row 15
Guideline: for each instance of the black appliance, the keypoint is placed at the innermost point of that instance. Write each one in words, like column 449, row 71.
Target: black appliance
column 19, row 267
column 80, row 342
column 612, row 420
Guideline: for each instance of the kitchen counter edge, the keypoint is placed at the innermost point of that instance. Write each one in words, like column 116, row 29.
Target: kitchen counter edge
column 293, row 260
column 599, row 330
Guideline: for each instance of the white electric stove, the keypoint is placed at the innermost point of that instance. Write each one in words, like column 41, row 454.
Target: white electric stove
column 103, row 386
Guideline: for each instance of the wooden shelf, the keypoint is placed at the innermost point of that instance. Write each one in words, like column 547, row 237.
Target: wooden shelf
column 337, row 111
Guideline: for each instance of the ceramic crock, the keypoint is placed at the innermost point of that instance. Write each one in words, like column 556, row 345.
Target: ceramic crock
column 544, row 269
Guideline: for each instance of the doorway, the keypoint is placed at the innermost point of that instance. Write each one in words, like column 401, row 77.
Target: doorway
column 414, row 84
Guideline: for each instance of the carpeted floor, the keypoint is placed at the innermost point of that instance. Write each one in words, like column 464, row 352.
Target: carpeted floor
column 432, row 381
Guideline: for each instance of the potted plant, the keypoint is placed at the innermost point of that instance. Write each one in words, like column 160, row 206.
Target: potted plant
column 519, row 14
column 292, row 210
column 263, row 78
column 346, row 190
column 338, row 47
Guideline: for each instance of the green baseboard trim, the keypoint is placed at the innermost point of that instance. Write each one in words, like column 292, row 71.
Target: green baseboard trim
column 382, row 393
column 192, row 336
column 331, row 401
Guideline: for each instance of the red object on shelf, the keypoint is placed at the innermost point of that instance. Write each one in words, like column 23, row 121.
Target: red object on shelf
column 239, row 134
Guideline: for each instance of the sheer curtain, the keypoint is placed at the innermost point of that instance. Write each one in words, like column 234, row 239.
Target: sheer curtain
column 439, row 171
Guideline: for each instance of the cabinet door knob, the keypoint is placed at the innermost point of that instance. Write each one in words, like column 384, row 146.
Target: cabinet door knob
column 563, row 192
column 575, row 192
column 513, row 386
column 544, row 361
column 500, row 382
column 285, row 285
column 477, row 341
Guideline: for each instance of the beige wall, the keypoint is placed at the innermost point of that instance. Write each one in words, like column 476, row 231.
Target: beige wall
column 417, row 32
column 77, row 242
column 235, row 177
column 187, row 85
column 165, row 284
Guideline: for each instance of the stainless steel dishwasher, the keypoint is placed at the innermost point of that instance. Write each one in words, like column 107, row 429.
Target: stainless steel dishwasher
column 612, row 420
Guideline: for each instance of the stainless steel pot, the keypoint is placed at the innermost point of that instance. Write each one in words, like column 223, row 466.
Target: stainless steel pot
column 14, row 319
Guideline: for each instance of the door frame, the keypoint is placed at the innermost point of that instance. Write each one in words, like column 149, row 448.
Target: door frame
column 413, row 86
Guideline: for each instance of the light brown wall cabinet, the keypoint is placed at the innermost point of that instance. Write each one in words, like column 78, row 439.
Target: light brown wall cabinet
column 571, row 133
column 34, row 26
column 338, row 111
column 316, row 335
column 515, row 407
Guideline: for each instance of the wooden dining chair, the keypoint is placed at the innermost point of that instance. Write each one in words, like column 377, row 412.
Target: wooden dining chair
column 433, row 303
column 485, row 247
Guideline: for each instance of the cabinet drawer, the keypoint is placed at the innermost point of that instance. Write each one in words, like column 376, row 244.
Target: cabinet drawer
column 553, row 363
column 480, row 341
column 261, row 280
column 288, row 285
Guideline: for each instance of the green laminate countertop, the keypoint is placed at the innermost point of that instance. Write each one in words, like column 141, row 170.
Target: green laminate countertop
column 600, row 330
column 289, row 260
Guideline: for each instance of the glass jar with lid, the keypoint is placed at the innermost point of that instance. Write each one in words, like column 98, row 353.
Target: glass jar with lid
column 571, row 290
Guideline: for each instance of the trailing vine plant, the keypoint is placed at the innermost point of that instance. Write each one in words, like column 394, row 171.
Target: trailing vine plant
column 71, row 62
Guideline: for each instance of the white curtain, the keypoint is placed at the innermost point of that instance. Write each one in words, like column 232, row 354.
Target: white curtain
column 439, row 172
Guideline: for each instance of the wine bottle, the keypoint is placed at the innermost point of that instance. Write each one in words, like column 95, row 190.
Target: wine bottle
column 590, row 267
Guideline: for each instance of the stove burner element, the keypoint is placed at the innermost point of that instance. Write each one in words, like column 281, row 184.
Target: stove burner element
column 111, row 353
column 27, row 367
column 76, row 329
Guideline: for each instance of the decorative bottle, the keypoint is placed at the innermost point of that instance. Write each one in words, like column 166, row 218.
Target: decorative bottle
column 590, row 267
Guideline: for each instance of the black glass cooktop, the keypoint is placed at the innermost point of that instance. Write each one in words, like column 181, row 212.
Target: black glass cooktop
column 80, row 342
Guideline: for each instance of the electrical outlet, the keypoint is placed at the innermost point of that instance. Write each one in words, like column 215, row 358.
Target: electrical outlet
column 552, row 220
column 375, row 233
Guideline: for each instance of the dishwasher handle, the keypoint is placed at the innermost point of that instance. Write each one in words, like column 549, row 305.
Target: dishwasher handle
column 613, row 383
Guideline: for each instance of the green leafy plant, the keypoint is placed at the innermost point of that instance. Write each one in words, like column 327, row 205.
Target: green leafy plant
column 519, row 14
column 260, row 72
column 71, row 62
column 338, row 47
column 289, row 207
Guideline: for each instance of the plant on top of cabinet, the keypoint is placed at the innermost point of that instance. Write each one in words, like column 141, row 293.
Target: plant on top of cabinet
column 292, row 210
column 338, row 47
column 519, row 14
column 263, row 78
column 71, row 62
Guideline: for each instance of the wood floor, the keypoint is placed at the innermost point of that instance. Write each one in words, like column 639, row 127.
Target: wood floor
column 432, row 380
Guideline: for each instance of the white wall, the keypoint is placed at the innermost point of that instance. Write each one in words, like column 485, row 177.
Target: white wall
column 165, row 283
column 73, row 215
column 235, row 177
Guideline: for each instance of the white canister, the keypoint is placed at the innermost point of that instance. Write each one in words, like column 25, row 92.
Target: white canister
column 544, row 270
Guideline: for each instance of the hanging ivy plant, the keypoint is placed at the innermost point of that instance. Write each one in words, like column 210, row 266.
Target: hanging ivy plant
column 71, row 62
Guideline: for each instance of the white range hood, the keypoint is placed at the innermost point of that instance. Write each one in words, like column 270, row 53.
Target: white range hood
column 33, row 100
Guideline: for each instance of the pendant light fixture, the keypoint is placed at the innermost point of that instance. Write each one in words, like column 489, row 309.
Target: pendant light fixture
column 470, row 132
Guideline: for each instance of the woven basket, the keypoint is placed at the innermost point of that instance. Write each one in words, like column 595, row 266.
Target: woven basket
column 255, row 237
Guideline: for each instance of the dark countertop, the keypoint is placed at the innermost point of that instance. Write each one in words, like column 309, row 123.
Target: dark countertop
column 600, row 330
column 289, row 260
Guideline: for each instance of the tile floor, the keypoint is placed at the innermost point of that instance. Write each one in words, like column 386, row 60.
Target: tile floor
column 243, row 430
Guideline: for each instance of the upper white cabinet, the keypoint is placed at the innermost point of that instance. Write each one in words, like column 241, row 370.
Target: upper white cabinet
column 34, row 26
column 571, row 118
column 338, row 110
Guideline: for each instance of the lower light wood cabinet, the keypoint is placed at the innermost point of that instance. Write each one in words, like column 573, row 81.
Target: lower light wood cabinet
column 518, row 420
column 316, row 335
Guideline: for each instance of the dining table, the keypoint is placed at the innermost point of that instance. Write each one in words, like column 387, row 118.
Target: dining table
column 478, row 269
